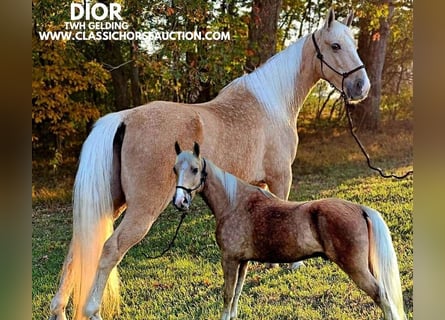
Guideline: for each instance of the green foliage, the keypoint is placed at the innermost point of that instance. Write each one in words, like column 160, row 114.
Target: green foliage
column 397, row 107
column 397, row 87
column 181, row 70
column 64, row 84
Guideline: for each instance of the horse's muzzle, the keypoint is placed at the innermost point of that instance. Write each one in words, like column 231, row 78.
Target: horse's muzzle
column 357, row 89
column 181, row 201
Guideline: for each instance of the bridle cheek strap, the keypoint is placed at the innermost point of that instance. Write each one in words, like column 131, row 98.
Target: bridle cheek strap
column 344, row 75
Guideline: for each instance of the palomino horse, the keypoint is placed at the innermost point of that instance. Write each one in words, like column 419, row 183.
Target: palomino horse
column 253, row 224
column 126, row 163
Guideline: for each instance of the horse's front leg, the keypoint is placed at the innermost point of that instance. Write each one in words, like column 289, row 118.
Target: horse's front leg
column 239, row 287
column 280, row 183
column 230, row 270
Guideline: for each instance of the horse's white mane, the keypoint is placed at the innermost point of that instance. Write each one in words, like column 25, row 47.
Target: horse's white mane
column 273, row 84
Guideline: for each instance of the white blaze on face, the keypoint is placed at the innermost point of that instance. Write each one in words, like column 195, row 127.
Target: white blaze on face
column 182, row 198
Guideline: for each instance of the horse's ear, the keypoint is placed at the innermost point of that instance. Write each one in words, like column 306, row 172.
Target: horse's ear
column 330, row 17
column 196, row 149
column 349, row 18
column 177, row 148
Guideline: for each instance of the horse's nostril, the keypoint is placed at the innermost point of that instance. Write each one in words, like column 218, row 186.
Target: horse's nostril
column 359, row 84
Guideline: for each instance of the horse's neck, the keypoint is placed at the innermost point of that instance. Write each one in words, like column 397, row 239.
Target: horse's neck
column 284, row 81
column 219, row 190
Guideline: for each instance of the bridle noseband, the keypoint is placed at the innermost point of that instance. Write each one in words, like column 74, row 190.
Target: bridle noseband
column 344, row 75
column 201, row 182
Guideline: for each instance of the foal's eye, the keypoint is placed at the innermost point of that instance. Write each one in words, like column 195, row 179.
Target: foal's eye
column 335, row 46
column 194, row 170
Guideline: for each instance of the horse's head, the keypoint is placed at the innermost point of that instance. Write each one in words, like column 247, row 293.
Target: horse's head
column 190, row 171
column 339, row 62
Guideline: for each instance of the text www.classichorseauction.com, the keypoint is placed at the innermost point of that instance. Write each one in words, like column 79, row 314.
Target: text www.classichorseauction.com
column 104, row 22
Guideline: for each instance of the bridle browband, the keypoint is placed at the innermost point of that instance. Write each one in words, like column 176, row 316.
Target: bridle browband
column 201, row 182
column 344, row 75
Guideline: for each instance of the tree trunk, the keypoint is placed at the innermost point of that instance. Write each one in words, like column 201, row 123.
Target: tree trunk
column 263, row 26
column 136, row 94
column 372, row 49
column 119, row 75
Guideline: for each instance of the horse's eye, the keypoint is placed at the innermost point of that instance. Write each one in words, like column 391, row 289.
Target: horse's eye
column 195, row 170
column 335, row 46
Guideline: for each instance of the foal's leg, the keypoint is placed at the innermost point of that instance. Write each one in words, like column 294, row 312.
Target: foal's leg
column 132, row 229
column 239, row 287
column 60, row 300
column 230, row 270
column 355, row 264
column 368, row 283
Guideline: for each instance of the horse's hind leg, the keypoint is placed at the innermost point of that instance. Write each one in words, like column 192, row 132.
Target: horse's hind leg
column 60, row 300
column 239, row 287
column 132, row 229
column 368, row 283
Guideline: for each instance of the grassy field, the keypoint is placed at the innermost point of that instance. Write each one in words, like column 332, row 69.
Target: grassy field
column 186, row 283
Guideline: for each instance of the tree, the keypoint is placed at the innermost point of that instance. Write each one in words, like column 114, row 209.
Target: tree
column 263, row 26
column 397, row 77
column 374, row 23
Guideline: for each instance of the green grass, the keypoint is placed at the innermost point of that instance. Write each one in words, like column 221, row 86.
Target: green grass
column 186, row 283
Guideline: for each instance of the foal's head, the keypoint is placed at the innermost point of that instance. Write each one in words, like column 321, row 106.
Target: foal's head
column 339, row 62
column 190, row 171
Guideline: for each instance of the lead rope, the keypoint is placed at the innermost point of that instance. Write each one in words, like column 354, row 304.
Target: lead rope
column 362, row 148
column 171, row 242
column 184, row 214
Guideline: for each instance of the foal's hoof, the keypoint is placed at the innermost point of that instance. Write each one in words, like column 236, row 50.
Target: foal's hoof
column 55, row 317
column 296, row 265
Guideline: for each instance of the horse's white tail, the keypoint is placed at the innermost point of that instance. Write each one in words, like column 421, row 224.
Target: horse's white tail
column 93, row 215
column 383, row 263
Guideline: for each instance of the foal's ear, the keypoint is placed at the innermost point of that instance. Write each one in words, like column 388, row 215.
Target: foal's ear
column 349, row 18
column 330, row 17
column 177, row 148
column 196, row 149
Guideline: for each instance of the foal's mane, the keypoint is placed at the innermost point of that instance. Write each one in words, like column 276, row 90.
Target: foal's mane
column 230, row 183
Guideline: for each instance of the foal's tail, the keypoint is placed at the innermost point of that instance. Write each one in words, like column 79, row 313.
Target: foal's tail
column 383, row 263
column 93, row 215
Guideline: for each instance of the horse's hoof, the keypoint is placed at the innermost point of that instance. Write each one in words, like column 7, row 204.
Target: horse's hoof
column 296, row 265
